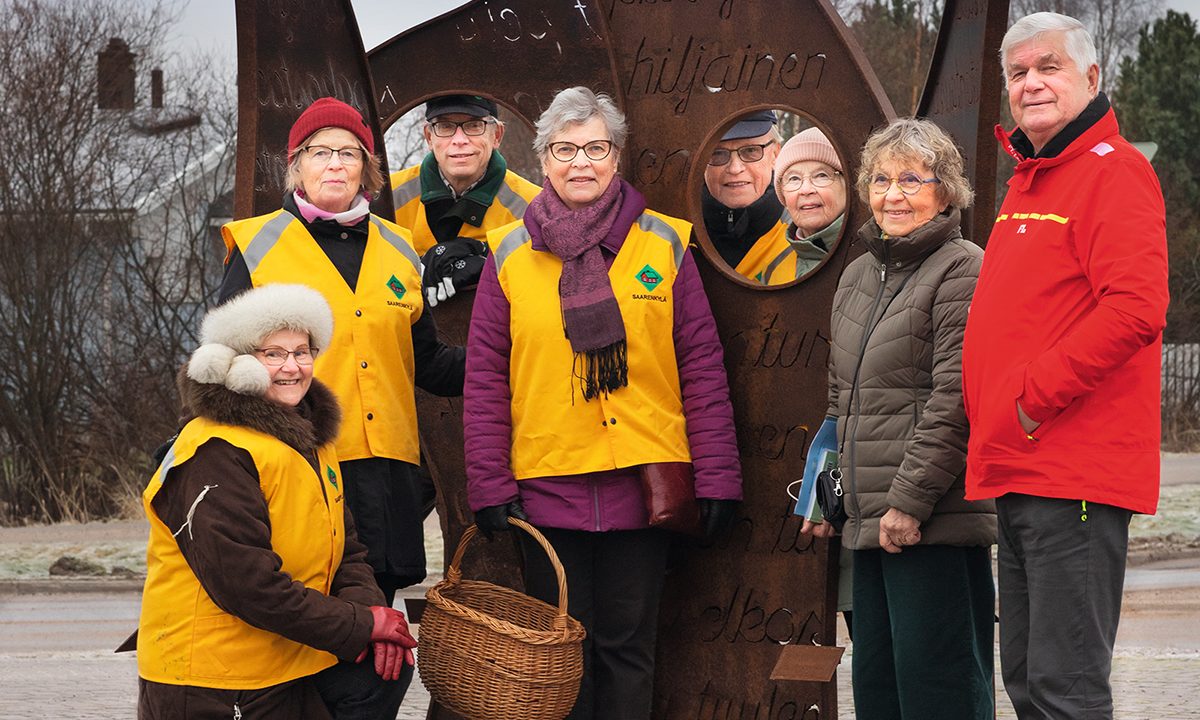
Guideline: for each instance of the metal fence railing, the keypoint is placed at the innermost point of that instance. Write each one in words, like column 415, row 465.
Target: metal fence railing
column 1181, row 376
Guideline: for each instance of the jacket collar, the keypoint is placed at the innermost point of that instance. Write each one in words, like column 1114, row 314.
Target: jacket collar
column 896, row 251
column 306, row 427
column 1094, row 124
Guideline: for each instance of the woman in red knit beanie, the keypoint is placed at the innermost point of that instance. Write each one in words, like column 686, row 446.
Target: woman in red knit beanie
column 384, row 342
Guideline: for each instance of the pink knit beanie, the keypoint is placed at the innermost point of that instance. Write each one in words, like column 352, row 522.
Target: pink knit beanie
column 808, row 145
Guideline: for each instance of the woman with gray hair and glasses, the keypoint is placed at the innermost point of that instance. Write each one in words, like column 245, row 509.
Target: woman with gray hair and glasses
column 923, row 595
column 593, row 359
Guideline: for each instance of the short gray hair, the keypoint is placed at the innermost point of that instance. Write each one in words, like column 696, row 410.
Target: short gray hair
column 1077, row 41
column 916, row 139
column 577, row 105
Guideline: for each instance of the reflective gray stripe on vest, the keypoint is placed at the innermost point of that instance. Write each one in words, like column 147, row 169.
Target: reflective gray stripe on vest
column 786, row 217
column 404, row 194
column 516, row 237
column 167, row 463
column 265, row 239
column 766, row 274
column 398, row 242
column 651, row 224
column 511, row 201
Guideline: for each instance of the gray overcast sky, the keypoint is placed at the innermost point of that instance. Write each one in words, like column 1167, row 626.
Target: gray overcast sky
column 209, row 24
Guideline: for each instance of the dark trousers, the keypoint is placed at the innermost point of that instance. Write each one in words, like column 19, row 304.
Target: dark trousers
column 923, row 634
column 614, row 582
column 385, row 498
column 345, row 691
column 352, row 691
column 1062, row 571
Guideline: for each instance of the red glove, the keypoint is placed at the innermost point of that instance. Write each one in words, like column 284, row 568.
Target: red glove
column 390, row 641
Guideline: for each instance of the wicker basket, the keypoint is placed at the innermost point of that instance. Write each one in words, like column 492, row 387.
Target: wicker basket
column 491, row 653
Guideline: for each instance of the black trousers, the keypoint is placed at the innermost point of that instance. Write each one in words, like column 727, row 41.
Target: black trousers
column 923, row 633
column 1062, row 571
column 614, row 582
column 385, row 498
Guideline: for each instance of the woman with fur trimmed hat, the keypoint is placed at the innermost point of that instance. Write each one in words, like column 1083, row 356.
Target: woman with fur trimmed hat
column 258, row 600
column 809, row 183
column 384, row 342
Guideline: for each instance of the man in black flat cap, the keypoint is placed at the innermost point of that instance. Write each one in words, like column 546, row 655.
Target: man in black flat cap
column 461, row 190
column 744, row 218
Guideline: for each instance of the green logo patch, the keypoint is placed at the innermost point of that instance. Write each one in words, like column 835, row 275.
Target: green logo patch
column 397, row 287
column 329, row 473
column 649, row 278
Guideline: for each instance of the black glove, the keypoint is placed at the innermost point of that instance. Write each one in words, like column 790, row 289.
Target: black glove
column 495, row 518
column 451, row 266
column 716, row 515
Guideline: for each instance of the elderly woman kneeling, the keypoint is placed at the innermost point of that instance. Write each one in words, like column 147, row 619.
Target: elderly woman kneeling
column 593, row 357
column 259, row 601
column 923, row 592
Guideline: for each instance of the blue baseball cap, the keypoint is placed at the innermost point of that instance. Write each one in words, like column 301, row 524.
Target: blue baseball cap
column 755, row 124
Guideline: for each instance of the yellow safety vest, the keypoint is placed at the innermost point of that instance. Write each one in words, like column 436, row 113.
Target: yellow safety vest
column 369, row 365
column 511, row 200
column 183, row 637
column 554, row 431
column 765, row 249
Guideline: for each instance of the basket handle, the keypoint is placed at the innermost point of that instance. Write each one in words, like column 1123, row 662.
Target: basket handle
column 454, row 575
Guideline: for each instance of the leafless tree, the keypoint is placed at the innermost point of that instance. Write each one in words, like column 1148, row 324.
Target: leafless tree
column 107, row 252
column 1114, row 25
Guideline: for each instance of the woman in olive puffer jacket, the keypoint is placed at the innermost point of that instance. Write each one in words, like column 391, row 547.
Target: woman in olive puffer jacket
column 923, row 592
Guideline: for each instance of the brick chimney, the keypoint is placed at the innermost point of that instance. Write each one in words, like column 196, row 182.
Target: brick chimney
column 115, row 76
column 156, row 89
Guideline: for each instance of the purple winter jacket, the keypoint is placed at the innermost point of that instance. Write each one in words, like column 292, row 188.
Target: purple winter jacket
column 610, row 500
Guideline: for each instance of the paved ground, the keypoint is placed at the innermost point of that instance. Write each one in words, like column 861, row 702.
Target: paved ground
column 56, row 637
column 56, row 658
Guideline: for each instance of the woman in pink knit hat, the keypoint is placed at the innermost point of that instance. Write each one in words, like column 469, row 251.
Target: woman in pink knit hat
column 810, row 184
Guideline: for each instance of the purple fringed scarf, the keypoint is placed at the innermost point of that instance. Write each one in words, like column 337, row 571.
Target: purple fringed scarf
column 591, row 317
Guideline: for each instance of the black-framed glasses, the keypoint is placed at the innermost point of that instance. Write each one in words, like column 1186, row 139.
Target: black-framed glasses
column 819, row 179
column 747, row 153
column 323, row 154
column 473, row 127
column 909, row 183
column 277, row 356
column 595, row 150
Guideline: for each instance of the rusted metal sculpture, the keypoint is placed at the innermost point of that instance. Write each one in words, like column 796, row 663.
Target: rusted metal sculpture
column 682, row 71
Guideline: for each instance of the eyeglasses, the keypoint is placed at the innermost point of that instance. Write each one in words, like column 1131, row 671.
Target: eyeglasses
column 748, row 154
column 819, row 179
column 322, row 155
column 447, row 128
column 908, row 182
column 277, row 356
column 596, row 150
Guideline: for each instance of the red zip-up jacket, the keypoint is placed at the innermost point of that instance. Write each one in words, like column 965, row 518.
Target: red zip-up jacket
column 1067, row 318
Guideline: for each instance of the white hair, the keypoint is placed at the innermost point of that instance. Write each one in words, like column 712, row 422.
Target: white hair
column 1077, row 41
column 577, row 105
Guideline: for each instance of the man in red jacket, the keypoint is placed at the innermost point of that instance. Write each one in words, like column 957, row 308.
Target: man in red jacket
column 1061, row 370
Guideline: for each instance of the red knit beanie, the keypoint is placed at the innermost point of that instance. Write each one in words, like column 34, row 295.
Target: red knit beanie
column 329, row 112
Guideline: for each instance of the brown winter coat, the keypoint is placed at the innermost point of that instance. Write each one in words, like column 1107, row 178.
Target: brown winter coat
column 237, row 567
column 901, row 308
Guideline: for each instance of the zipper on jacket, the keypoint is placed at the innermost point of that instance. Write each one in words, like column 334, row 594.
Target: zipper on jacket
column 596, row 503
column 855, row 412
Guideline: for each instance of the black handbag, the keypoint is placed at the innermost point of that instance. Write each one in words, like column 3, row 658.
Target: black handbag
column 831, row 497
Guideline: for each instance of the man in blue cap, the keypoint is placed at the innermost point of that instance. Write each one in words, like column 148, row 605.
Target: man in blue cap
column 742, row 214
column 461, row 190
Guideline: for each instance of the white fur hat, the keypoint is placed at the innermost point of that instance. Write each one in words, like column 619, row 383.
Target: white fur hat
column 231, row 332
